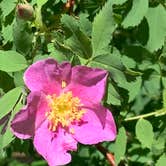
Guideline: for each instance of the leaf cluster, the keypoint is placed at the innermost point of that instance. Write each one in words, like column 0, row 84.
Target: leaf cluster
column 125, row 37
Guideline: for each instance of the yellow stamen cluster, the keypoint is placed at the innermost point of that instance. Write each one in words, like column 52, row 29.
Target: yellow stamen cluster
column 64, row 110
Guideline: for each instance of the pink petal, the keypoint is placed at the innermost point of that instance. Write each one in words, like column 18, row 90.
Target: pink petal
column 88, row 84
column 47, row 75
column 53, row 146
column 30, row 118
column 98, row 126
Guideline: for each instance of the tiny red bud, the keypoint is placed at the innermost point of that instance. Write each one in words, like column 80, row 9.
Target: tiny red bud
column 67, row 5
column 25, row 12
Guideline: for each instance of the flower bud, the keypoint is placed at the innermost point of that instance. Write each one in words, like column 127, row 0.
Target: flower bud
column 25, row 12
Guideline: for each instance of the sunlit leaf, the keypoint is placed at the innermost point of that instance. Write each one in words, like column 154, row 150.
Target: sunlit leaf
column 41, row 2
column 161, row 161
column 120, row 145
column 7, row 6
column 6, row 138
column 118, row 2
column 103, row 27
column 9, row 100
column 7, row 33
column 11, row 61
column 144, row 132
column 136, row 14
column 85, row 25
column 157, row 29
column 112, row 95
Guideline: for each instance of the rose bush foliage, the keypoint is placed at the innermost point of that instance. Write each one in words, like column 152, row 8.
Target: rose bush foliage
column 124, row 38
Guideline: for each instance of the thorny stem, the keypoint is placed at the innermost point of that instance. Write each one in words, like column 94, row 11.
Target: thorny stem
column 106, row 153
column 156, row 114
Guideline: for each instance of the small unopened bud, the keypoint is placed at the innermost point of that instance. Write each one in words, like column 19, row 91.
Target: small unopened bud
column 67, row 5
column 25, row 12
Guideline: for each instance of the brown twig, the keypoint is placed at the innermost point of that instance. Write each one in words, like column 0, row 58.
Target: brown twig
column 107, row 154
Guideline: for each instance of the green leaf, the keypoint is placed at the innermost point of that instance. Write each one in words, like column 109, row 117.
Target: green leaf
column 140, row 102
column 141, row 158
column 85, row 25
column 164, row 82
column 120, row 145
column 39, row 163
column 118, row 2
column 7, row 6
column 136, row 14
column 112, row 95
column 8, row 101
column 161, row 161
column 7, row 33
column 11, row 61
column 18, row 78
column 128, row 62
column 156, row 18
column 59, row 51
column 164, row 98
column 144, row 133
column 6, row 138
column 39, row 20
column 158, row 145
column 40, row 57
column 41, row 2
column 17, row 108
column 79, row 42
column 153, row 85
column 22, row 36
column 112, row 63
column 103, row 27
column 133, row 88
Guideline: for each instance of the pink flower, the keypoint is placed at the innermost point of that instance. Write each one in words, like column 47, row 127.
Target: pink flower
column 63, row 109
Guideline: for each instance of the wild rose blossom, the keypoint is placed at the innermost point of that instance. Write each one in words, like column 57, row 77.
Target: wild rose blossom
column 63, row 109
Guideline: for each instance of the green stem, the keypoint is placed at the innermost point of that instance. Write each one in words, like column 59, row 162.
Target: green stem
column 88, row 61
column 156, row 113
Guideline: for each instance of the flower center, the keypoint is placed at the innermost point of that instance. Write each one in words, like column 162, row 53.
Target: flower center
column 64, row 110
